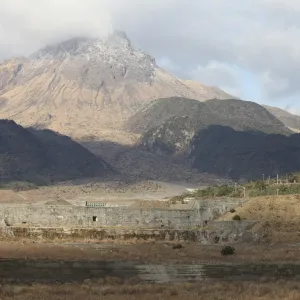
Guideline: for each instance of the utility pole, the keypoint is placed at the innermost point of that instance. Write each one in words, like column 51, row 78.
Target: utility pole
column 263, row 177
column 277, row 178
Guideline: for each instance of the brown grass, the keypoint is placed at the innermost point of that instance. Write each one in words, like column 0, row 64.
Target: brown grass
column 155, row 253
column 278, row 216
column 125, row 291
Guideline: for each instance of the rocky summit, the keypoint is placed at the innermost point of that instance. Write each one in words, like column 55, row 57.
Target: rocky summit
column 88, row 87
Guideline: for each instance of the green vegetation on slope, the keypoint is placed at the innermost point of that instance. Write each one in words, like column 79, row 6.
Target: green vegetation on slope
column 289, row 185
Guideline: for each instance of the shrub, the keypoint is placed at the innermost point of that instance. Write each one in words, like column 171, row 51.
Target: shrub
column 216, row 239
column 207, row 192
column 237, row 194
column 283, row 189
column 260, row 185
column 236, row 218
column 293, row 178
column 218, row 191
column 228, row 250
column 232, row 211
column 176, row 199
column 177, row 246
column 224, row 190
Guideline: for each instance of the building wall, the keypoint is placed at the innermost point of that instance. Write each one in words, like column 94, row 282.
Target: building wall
column 76, row 216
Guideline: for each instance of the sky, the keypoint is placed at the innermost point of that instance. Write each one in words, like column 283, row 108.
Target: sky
column 249, row 48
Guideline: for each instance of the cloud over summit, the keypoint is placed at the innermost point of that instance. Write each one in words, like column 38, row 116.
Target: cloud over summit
column 254, row 42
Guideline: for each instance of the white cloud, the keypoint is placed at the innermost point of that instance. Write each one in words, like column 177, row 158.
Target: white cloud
column 26, row 25
column 167, row 64
column 219, row 74
column 260, row 36
column 274, row 85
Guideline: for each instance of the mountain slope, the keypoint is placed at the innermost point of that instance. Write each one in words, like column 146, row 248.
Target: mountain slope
column 169, row 125
column 84, row 86
column 290, row 120
column 44, row 156
column 234, row 154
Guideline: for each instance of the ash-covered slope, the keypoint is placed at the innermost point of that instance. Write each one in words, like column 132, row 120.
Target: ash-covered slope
column 169, row 125
column 290, row 120
column 44, row 156
column 83, row 86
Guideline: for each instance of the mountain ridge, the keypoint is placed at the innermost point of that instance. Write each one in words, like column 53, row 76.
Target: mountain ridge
column 228, row 153
column 84, row 86
column 43, row 157
column 169, row 125
column 290, row 120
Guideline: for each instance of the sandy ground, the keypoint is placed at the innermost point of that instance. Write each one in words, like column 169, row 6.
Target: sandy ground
column 81, row 191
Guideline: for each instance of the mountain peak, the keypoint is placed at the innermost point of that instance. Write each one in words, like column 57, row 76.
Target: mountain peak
column 120, row 34
column 84, row 45
column 84, row 85
column 66, row 47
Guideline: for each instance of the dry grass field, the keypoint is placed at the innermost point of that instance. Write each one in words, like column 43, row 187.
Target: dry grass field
column 149, row 252
column 278, row 216
column 112, row 289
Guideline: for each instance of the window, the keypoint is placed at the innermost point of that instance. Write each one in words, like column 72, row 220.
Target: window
column 95, row 219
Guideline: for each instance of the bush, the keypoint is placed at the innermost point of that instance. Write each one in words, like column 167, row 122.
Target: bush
column 176, row 199
column 227, row 250
column 260, row 185
column 224, row 190
column 219, row 191
column 177, row 246
column 293, row 178
column 208, row 192
column 236, row 218
column 216, row 239
column 232, row 211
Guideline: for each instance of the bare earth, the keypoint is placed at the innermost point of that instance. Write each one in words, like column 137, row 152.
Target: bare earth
column 114, row 290
column 77, row 192
column 147, row 252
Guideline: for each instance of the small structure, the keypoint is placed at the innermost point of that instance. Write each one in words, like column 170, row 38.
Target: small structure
column 95, row 204
column 102, row 204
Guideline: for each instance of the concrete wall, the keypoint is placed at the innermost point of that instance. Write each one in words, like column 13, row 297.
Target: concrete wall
column 208, row 210
column 213, row 235
column 75, row 216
